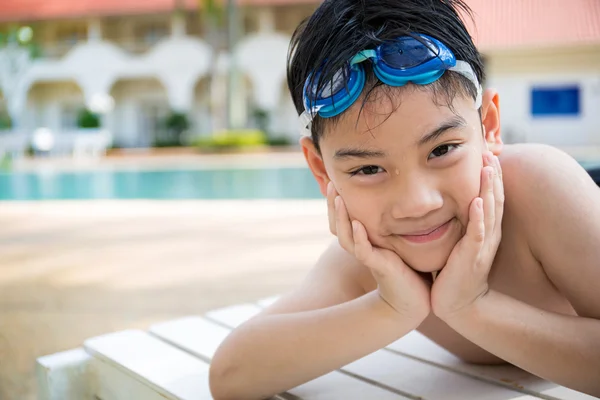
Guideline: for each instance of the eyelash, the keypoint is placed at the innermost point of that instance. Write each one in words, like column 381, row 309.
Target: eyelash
column 451, row 147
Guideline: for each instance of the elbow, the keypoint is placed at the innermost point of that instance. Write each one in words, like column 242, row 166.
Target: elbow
column 221, row 382
column 228, row 380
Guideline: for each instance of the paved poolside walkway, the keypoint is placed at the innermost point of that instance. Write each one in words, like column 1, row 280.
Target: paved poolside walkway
column 72, row 270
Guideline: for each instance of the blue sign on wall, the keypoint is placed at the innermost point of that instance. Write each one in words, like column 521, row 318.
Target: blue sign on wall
column 555, row 101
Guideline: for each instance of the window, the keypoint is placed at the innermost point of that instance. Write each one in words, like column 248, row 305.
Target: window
column 555, row 101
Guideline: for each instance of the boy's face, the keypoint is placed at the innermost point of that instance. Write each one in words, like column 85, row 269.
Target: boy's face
column 409, row 178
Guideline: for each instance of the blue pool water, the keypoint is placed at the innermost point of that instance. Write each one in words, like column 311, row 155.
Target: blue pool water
column 267, row 183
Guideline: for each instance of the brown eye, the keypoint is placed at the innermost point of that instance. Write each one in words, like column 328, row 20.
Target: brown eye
column 368, row 170
column 442, row 150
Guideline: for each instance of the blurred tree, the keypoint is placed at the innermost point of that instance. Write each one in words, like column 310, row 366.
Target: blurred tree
column 219, row 25
column 87, row 119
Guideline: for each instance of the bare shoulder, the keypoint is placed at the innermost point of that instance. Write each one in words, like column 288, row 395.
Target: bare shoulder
column 530, row 170
column 337, row 277
column 556, row 205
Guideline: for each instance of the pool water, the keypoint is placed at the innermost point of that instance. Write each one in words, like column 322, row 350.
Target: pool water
column 266, row 183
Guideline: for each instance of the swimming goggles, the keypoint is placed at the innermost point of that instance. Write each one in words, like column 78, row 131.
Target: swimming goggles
column 420, row 59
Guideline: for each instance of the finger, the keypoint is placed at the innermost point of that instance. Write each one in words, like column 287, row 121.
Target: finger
column 475, row 235
column 331, row 193
column 363, row 249
column 487, row 195
column 487, row 158
column 498, row 193
column 343, row 226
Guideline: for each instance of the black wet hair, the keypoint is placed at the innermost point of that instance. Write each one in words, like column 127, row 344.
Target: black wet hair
column 339, row 29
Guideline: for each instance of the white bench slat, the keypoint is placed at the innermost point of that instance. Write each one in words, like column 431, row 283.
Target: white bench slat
column 234, row 316
column 336, row 385
column 561, row 392
column 202, row 337
column 113, row 383
column 64, row 376
column 425, row 380
column 195, row 335
column 134, row 357
column 419, row 346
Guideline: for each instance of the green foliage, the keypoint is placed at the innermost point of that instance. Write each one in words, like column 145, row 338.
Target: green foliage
column 5, row 162
column 262, row 119
column 279, row 141
column 233, row 139
column 87, row 119
column 5, row 121
column 177, row 122
column 212, row 10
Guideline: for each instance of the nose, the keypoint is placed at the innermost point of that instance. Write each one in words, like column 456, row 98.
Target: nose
column 415, row 196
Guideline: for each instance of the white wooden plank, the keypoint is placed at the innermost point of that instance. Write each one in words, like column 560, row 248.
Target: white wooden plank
column 195, row 335
column 417, row 345
column 64, row 376
column 561, row 392
column 266, row 302
column 234, row 316
column 136, row 356
column 202, row 337
column 425, row 380
column 113, row 383
column 336, row 386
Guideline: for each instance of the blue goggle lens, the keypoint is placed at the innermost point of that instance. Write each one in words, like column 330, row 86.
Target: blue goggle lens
column 407, row 52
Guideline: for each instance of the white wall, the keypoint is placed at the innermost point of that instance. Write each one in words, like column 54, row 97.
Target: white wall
column 515, row 109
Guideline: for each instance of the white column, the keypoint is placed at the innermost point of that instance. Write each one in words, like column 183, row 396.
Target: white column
column 266, row 20
column 94, row 30
column 178, row 24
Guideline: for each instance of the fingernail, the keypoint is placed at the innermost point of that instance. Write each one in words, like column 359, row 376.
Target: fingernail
column 490, row 172
column 479, row 202
column 337, row 201
column 329, row 186
column 354, row 226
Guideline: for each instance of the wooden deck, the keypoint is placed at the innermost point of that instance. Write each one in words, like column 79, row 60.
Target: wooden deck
column 171, row 361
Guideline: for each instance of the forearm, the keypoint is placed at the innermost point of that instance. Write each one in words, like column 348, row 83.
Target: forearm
column 274, row 353
column 560, row 348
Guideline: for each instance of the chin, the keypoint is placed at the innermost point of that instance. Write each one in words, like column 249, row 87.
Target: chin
column 427, row 262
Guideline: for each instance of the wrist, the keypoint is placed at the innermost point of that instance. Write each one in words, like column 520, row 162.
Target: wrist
column 469, row 312
column 412, row 317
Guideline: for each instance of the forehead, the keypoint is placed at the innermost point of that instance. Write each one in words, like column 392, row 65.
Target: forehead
column 399, row 114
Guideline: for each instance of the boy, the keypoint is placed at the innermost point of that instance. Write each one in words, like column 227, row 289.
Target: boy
column 491, row 251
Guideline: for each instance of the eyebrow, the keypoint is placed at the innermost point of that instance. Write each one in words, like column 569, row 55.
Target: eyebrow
column 455, row 122
column 357, row 153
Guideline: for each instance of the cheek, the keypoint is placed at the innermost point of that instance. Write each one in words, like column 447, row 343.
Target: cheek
column 361, row 206
column 467, row 184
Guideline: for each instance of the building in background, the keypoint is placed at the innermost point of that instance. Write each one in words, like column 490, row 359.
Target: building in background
column 138, row 62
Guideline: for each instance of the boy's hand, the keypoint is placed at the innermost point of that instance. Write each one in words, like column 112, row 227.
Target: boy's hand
column 464, row 279
column 398, row 285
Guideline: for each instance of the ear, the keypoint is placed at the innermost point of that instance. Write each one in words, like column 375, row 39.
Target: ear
column 490, row 119
column 315, row 163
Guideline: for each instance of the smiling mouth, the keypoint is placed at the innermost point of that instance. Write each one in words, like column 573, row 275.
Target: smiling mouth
column 428, row 235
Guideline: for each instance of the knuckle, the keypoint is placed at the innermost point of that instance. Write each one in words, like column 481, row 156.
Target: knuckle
column 480, row 236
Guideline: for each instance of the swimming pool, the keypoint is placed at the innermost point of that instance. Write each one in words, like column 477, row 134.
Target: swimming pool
column 254, row 183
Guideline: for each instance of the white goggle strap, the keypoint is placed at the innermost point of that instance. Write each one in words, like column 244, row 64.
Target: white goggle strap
column 463, row 68
column 305, row 120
